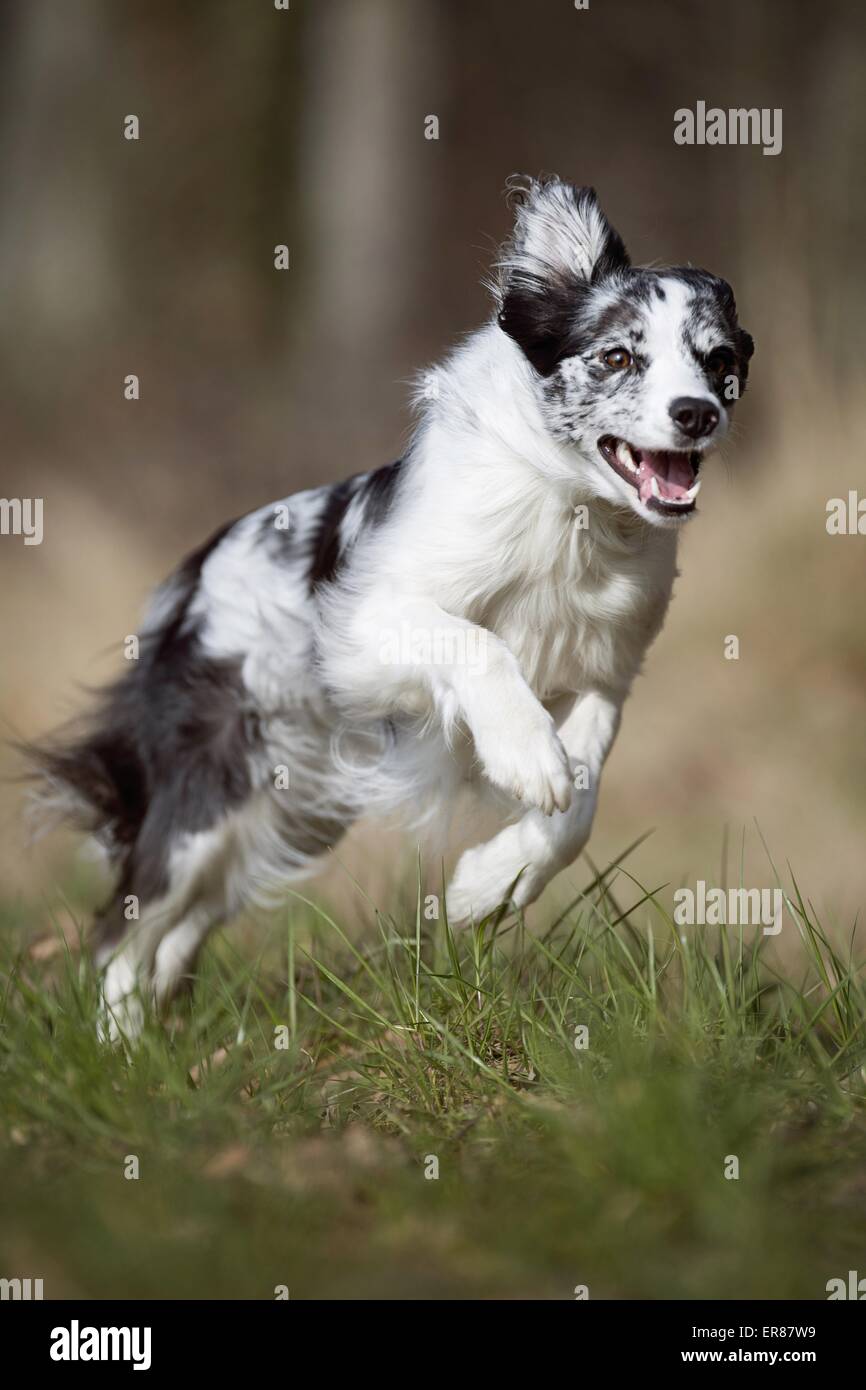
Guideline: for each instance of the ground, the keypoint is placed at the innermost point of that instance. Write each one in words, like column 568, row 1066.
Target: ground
column 613, row 1106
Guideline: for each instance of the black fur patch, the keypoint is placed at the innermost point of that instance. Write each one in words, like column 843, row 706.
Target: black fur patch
column 539, row 315
column 375, row 492
column 327, row 548
column 379, row 491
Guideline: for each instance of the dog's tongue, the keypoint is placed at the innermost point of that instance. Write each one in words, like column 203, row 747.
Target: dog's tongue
column 673, row 473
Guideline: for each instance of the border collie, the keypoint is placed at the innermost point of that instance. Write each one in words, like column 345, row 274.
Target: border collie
column 474, row 613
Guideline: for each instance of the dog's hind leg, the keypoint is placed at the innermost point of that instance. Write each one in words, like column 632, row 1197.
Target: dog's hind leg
column 148, row 963
column 153, row 964
column 248, row 856
column 537, row 847
column 126, row 989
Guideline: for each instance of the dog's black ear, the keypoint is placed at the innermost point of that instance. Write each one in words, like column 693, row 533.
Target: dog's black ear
column 745, row 346
column 562, row 244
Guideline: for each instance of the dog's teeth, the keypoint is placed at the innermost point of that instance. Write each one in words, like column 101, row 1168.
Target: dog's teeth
column 655, row 486
column 624, row 454
column 694, row 490
column 684, row 501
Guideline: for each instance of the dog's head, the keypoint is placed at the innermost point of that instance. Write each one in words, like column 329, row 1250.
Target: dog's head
column 637, row 369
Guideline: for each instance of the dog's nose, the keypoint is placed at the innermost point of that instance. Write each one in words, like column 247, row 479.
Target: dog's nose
column 695, row 417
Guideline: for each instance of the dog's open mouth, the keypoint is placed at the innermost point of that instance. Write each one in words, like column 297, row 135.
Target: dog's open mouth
column 664, row 480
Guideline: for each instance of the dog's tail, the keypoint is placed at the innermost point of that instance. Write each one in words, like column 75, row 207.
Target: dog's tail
column 98, row 773
column 93, row 775
column 90, row 774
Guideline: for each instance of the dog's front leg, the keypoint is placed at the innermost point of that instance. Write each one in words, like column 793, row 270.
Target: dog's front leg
column 537, row 847
column 414, row 654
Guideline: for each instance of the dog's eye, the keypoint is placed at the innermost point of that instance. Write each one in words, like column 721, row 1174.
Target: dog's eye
column 618, row 358
column 721, row 360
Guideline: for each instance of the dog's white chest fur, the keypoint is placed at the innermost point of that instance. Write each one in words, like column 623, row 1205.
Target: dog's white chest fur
column 585, row 615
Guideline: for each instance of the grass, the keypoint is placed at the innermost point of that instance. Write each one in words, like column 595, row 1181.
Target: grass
column 287, row 1122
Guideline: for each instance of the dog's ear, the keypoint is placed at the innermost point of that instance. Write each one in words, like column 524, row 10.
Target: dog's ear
column 561, row 245
column 560, row 231
column 745, row 345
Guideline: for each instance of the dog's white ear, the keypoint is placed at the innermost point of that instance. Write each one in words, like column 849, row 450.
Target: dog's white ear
column 559, row 232
column 562, row 244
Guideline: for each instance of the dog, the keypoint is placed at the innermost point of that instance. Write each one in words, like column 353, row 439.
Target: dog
column 474, row 613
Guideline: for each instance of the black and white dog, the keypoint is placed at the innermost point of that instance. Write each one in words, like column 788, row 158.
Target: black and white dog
column 476, row 612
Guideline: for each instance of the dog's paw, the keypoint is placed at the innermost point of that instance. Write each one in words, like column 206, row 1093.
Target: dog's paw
column 121, row 1008
column 485, row 878
column 120, row 1022
column 531, row 765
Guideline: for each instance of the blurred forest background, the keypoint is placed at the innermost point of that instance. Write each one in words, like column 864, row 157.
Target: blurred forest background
column 307, row 127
